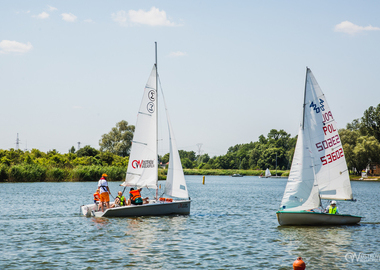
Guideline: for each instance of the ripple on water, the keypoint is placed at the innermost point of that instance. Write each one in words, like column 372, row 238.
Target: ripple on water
column 232, row 225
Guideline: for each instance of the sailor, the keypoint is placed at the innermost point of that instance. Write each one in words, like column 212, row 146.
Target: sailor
column 332, row 208
column 104, row 192
column 135, row 197
column 97, row 196
column 97, row 199
column 121, row 198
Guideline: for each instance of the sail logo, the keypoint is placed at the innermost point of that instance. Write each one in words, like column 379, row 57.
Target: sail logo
column 150, row 107
column 152, row 95
column 137, row 164
column 317, row 108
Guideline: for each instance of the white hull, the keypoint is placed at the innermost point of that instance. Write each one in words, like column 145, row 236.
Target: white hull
column 154, row 208
column 315, row 219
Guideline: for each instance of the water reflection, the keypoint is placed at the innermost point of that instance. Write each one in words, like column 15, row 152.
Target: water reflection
column 319, row 245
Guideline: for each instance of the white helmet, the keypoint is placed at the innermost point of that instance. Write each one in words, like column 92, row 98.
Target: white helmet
column 333, row 202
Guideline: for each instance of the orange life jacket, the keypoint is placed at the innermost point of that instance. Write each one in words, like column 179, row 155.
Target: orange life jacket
column 96, row 196
column 134, row 194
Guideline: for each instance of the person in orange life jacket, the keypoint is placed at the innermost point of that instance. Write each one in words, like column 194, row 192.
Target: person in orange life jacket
column 135, row 197
column 332, row 208
column 97, row 198
column 104, row 192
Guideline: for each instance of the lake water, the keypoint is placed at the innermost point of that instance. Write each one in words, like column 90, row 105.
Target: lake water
column 232, row 225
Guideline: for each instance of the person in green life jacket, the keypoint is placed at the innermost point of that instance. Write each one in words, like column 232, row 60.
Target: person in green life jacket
column 332, row 209
column 119, row 200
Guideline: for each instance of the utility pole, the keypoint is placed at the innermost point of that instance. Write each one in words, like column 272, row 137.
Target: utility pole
column 199, row 151
column 17, row 142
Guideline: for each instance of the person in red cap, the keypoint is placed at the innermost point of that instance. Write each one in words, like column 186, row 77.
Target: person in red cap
column 299, row 264
column 104, row 192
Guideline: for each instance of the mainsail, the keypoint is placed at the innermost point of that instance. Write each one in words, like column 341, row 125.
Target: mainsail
column 330, row 163
column 142, row 165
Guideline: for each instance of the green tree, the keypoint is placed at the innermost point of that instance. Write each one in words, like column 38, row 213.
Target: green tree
column 360, row 151
column 87, row 151
column 367, row 151
column 370, row 124
column 119, row 140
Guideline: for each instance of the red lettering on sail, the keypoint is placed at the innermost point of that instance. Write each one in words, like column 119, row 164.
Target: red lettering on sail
column 329, row 128
column 136, row 164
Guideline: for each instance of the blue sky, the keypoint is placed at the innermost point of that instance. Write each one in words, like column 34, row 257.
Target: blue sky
column 230, row 70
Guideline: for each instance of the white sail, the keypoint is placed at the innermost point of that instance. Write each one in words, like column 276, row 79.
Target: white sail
column 330, row 163
column 267, row 173
column 301, row 192
column 175, row 185
column 142, row 165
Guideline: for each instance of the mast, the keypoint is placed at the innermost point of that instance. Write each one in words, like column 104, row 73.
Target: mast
column 304, row 100
column 155, row 45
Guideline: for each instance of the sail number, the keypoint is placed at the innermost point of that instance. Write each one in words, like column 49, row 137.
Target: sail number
column 328, row 143
column 332, row 157
column 319, row 108
column 327, row 116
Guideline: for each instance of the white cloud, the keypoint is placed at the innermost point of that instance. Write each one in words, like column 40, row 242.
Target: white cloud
column 52, row 8
column 89, row 21
column 9, row 46
column 43, row 15
column 69, row 17
column 120, row 17
column 153, row 17
column 352, row 29
column 177, row 54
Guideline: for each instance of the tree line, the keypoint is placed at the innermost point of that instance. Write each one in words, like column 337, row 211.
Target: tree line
column 360, row 140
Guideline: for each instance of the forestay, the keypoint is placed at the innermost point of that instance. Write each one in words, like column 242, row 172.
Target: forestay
column 142, row 165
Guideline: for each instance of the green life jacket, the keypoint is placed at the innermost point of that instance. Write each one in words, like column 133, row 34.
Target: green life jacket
column 332, row 210
column 122, row 200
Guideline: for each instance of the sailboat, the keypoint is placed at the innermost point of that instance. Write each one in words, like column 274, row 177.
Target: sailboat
column 319, row 169
column 142, row 171
column 267, row 173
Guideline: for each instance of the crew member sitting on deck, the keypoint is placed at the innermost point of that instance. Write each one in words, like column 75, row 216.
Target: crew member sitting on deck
column 123, row 201
column 116, row 203
column 135, row 197
column 97, row 196
column 332, row 208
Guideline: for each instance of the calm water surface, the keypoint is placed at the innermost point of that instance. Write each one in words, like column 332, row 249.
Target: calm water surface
column 232, row 225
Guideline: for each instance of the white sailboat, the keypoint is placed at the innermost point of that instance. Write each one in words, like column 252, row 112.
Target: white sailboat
column 142, row 169
column 267, row 173
column 319, row 169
